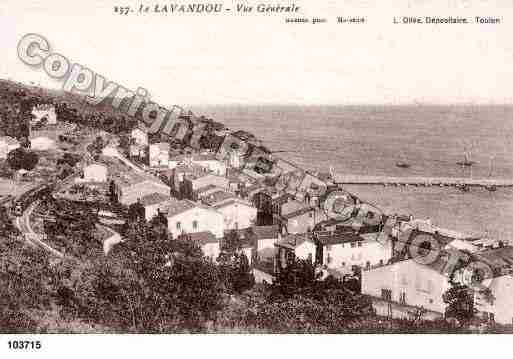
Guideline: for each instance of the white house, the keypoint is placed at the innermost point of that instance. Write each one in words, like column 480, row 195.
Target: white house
column 7, row 144
column 139, row 136
column 344, row 250
column 209, row 244
column 205, row 160
column 193, row 182
column 153, row 203
column 188, row 217
column 131, row 186
column 44, row 111
column 407, row 284
column 499, row 282
column 159, row 154
column 95, row 173
column 237, row 213
column 300, row 246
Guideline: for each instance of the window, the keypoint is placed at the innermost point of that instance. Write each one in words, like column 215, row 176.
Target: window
column 328, row 259
column 367, row 265
column 386, row 294
column 310, row 214
column 359, row 244
column 178, row 225
column 402, row 298
column 194, row 224
column 381, row 262
column 353, row 244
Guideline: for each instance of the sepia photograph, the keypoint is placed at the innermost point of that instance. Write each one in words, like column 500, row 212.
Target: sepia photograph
column 256, row 168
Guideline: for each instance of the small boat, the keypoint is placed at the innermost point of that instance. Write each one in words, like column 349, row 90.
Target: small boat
column 401, row 164
column 491, row 188
column 467, row 160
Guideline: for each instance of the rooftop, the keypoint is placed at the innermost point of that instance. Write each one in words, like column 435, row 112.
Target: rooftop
column 292, row 241
column 202, row 237
column 153, row 198
column 174, row 207
column 498, row 258
column 217, row 197
column 266, row 232
column 338, row 238
column 230, row 202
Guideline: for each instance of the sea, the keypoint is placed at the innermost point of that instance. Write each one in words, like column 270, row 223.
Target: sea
column 370, row 140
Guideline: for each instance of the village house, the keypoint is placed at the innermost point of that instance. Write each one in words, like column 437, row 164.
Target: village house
column 492, row 297
column 206, row 191
column 294, row 246
column 398, row 288
column 175, row 177
column 44, row 112
column 345, row 249
column 237, row 213
column 192, row 182
column 131, row 186
column 7, row 144
column 209, row 244
column 95, row 172
column 159, row 154
column 205, row 160
column 185, row 216
column 153, row 203
column 298, row 217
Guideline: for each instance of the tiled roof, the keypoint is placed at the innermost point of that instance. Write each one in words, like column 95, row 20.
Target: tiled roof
column 294, row 240
column 175, row 207
column 206, row 188
column 266, row 232
column 298, row 212
column 153, row 198
column 202, row 237
column 218, row 197
column 338, row 238
column 230, row 202
column 497, row 258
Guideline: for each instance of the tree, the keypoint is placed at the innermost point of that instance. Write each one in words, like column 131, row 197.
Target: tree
column 20, row 158
column 460, row 302
column 297, row 276
column 136, row 212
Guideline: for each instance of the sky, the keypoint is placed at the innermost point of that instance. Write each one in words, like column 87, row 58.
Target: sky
column 258, row 59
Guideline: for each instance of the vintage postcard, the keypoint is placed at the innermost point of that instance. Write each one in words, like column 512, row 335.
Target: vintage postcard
column 252, row 167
